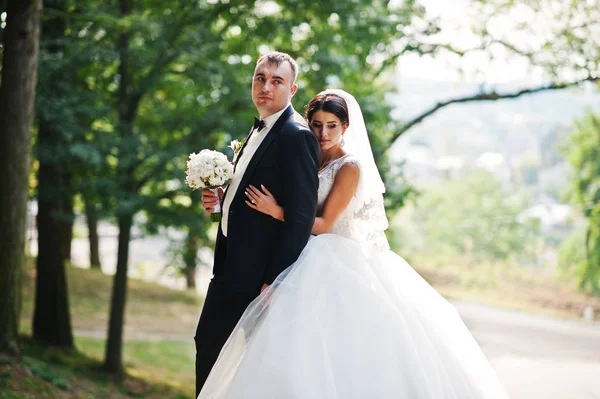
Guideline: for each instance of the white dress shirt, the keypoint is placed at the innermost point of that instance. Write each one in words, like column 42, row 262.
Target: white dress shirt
column 254, row 141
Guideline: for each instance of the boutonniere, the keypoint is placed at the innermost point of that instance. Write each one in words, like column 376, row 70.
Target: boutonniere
column 236, row 146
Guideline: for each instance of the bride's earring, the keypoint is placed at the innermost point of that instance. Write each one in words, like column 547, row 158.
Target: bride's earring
column 342, row 142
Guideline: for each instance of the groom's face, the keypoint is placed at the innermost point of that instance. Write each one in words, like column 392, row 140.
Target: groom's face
column 272, row 87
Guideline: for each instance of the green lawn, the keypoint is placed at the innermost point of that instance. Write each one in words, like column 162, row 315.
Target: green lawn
column 155, row 369
column 172, row 360
column 151, row 308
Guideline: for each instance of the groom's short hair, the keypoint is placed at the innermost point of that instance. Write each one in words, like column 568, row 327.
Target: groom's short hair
column 277, row 57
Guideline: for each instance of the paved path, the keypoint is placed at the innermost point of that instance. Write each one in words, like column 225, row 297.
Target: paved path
column 538, row 357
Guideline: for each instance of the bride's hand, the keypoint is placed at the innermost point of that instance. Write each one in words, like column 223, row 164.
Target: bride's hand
column 263, row 201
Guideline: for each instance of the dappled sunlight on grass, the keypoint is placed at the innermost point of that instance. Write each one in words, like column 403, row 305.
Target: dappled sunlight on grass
column 151, row 308
column 58, row 373
column 171, row 359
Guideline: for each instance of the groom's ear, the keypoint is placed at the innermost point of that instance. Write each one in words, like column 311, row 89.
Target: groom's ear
column 293, row 90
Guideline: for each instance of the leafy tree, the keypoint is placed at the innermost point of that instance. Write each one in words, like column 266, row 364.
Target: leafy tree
column 572, row 254
column 17, row 95
column 66, row 107
column 51, row 319
column 583, row 153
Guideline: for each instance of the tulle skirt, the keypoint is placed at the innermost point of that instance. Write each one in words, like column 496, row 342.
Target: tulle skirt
column 346, row 322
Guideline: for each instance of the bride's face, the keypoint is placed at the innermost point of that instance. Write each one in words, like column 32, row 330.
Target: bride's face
column 328, row 128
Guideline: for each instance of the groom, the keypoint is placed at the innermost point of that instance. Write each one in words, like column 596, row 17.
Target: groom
column 252, row 248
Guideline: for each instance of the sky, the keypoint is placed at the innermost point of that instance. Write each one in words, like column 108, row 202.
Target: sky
column 456, row 17
column 423, row 81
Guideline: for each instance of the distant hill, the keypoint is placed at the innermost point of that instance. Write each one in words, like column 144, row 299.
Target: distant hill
column 512, row 127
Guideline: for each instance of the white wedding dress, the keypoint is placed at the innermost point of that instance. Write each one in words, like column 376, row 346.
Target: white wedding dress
column 351, row 319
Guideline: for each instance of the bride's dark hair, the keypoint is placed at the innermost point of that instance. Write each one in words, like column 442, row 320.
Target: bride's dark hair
column 328, row 102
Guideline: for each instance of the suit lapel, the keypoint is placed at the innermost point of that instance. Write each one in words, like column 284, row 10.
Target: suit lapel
column 235, row 161
column 260, row 151
column 239, row 154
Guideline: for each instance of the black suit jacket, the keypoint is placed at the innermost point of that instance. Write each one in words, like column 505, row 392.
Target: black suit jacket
column 259, row 247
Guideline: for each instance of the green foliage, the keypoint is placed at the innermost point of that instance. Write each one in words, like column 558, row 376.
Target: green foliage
column 398, row 190
column 478, row 216
column 190, row 66
column 571, row 254
column 70, row 102
column 189, row 69
column 583, row 153
column 50, row 376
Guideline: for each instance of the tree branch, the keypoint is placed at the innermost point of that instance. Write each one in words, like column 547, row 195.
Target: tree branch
column 490, row 96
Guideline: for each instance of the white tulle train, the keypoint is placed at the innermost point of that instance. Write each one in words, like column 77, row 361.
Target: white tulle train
column 343, row 322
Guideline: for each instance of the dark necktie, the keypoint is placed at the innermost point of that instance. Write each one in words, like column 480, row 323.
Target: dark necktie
column 259, row 124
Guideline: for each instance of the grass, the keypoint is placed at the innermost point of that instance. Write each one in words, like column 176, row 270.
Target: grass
column 172, row 360
column 505, row 285
column 154, row 368
column 151, row 308
column 57, row 373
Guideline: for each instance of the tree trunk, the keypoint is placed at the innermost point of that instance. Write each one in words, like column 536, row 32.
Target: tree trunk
column 67, row 215
column 51, row 317
column 114, row 346
column 17, row 95
column 91, row 215
column 190, row 258
column 190, row 278
column 126, row 210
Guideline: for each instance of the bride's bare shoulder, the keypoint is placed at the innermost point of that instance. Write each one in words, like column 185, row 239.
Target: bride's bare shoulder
column 348, row 172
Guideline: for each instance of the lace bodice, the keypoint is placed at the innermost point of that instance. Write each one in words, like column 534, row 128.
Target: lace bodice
column 361, row 222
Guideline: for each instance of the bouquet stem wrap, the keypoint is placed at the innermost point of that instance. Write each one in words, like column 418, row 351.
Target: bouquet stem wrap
column 217, row 214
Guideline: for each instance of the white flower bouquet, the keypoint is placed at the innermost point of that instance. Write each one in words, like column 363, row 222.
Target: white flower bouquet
column 209, row 169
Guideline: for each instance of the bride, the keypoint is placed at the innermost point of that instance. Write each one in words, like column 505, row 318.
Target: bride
column 350, row 319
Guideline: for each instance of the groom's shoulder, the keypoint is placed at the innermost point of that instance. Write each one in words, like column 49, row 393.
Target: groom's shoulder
column 296, row 125
column 296, row 133
column 295, row 122
column 299, row 119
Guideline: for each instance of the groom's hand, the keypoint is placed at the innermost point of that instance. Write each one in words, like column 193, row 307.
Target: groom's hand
column 265, row 296
column 209, row 200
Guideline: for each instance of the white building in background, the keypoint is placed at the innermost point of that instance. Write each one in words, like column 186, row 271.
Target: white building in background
column 450, row 166
column 496, row 164
column 551, row 215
